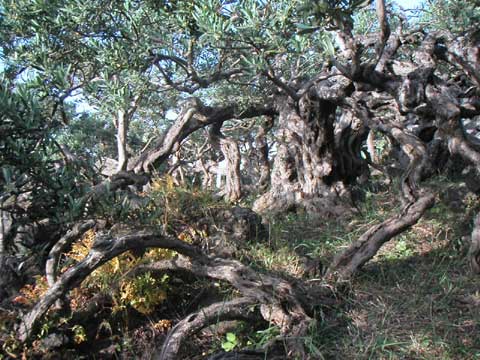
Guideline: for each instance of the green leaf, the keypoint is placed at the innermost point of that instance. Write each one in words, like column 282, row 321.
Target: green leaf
column 305, row 26
column 231, row 337
column 231, row 342
column 7, row 174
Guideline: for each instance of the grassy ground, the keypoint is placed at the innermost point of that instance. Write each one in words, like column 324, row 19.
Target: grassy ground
column 415, row 300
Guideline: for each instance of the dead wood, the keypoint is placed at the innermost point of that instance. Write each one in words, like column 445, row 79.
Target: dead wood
column 287, row 304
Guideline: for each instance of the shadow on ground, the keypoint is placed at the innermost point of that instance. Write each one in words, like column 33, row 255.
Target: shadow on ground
column 420, row 307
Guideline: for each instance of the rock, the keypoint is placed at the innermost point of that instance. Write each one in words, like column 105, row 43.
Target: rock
column 107, row 166
column 53, row 341
column 9, row 280
column 233, row 228
column 132, row 200
column 221, row 328
column 312, row 268
column 454, row 196
column 242, row 224
column 31, row 234
column 472, row 180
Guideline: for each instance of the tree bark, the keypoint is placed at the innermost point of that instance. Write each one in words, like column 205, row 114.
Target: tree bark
column 122, row 130
column 231, row 153
column 348, row 262
column 61, row 245
column 5, row 225
column 415, row 200
column 313, row 167
column 286, row 304
column 194, row 116
column 104, row 249
column 457, row 144
column 262, row 150
column 474, row 251
column 371, row 147
column 235, row 309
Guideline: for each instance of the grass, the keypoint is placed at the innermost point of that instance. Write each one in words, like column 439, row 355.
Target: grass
column 415, row 300
column 412, row 308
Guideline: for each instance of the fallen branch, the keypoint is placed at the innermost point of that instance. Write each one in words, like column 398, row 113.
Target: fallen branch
column 287, row 304
column 284, row 304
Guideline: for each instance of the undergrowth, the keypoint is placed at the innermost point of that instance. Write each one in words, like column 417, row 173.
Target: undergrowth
column 415, row 300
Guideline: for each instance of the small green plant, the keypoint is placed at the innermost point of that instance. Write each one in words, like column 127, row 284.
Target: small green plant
column 230, row 342
column 403, row 249
column 79, row 334
column 145, row 292
column 262, row 337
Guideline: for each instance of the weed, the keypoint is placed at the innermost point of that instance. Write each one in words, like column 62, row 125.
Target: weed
column 230, row 342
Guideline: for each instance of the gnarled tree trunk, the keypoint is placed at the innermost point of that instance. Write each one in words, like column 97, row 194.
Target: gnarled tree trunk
column 261, row 146
column 231, row 152
column 313, row 165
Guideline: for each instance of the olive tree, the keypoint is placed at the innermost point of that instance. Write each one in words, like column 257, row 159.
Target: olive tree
column 313, row 79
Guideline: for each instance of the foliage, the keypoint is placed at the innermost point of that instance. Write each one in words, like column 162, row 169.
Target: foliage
column 31, row 293
column 79, row 334
column 230, row 342
column 454, row 16
column 28, row 155
column 143, row 292
column 181, row 206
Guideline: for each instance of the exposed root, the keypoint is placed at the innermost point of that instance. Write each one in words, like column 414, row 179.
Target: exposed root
column 348, row 262
column 287, row 304
column 239, row 308
column 104, row 249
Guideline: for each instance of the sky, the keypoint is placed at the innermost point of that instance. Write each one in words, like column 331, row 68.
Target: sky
column 409, row 4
